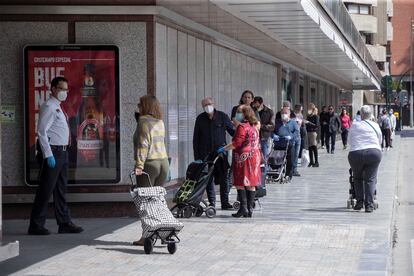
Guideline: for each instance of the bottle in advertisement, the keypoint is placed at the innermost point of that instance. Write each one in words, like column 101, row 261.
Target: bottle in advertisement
column 90, row 121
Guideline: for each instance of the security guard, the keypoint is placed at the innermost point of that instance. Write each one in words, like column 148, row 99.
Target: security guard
column 53, row 137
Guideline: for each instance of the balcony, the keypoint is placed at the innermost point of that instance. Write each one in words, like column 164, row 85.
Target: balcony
column 365, row 23
column 377, row 52
column 390, row 31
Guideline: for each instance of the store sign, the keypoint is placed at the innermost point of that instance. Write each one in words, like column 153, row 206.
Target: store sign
column 92, row 108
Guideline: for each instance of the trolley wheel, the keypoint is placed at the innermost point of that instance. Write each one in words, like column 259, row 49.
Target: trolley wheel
column 148, row 246
column 348, row 204
column 210, row 212
column 236, row 205
column 199, row 211
column 172, row 248
column 187, row 212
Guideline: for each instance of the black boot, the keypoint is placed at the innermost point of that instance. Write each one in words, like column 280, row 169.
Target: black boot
column 250, row 202
column 315, row 152
column 311, row 157
column 242, row 212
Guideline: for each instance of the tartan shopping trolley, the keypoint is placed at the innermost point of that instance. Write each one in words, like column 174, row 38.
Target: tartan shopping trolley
column 156, row 219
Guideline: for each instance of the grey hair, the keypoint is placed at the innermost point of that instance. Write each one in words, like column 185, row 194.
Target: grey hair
column 366, row 112
column 206, row 99
column 286, row 104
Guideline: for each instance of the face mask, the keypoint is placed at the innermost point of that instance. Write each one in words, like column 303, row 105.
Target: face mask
column 209, row 108
column 239, row 117
column 285, row 117
column 62, row 95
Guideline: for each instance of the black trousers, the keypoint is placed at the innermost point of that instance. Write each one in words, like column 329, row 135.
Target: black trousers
column 52, row 181
column 344, row 136
column 221, row 178
column 324, row 130
column 364, row 165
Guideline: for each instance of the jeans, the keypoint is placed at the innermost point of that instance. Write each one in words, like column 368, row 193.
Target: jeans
column 295, row 156
column 264, row 143
column 344, row 136
column 364, row 165
column 330, row 138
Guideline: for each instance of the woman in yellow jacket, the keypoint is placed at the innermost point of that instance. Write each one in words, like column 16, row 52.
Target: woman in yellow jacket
column 151, row 155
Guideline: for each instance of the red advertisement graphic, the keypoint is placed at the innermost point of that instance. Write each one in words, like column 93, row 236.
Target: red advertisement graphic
column 91, row 108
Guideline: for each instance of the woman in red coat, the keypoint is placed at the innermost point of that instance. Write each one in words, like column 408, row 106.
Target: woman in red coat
column 246, row 159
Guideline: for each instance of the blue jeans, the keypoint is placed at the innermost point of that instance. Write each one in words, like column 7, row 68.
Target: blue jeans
column 296, row 150
column 266, row 151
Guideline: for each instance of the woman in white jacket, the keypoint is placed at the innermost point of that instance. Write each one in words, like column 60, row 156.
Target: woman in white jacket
column 364, row 156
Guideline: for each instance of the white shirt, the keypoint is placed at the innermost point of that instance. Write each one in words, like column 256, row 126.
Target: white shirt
column 364, row 135
column 52, row 128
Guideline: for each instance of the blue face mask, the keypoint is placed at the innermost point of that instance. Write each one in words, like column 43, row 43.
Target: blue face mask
column 239, row 117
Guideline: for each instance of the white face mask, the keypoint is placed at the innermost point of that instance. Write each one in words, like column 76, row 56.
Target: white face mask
column 285, row 117
column 209, row 108
column 62, row 95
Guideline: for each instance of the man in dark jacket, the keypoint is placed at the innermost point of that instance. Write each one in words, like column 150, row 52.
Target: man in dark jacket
column 334, row 125
column 324, row 121
column 209, row 135
column 267, row 126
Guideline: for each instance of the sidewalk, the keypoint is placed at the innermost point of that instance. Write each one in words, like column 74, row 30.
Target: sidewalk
column 303, row 228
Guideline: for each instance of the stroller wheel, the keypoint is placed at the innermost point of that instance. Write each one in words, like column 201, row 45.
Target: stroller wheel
column 172, row 247
column 210, row 212
column 148, row 246
column 187, row 212
column 199, row 211
column 236, row 205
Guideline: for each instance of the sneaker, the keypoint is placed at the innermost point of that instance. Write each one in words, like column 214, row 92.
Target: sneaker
column 311, row 165
column 323, row 147
column 296, row 174
column 345, row 147
column 332, row 152
column 39, row 231
column 316, row 165
column 358, row 206
column 388, row 148
column 369, row 210
column 69, row 228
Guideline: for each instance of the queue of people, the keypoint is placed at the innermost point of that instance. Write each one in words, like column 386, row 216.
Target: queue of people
column 252, row 125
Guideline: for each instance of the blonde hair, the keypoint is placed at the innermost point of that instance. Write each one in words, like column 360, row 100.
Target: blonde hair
column 150, row 106
column 312, row 109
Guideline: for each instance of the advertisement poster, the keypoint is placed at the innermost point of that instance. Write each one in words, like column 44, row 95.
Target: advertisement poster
column 91, row 108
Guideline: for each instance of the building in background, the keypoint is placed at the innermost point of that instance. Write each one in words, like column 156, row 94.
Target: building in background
column 372, row 18
column 181, row 51
column 400, row 52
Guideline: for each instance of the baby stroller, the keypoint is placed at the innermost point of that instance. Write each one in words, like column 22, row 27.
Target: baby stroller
column 351, row 202
column 189, row 197
column 277, row 162
column 156, row 219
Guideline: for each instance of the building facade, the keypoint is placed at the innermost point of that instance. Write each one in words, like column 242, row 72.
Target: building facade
column 181, row 51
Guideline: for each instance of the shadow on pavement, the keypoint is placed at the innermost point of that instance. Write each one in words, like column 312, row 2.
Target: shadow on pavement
column 328, row 210
column 35, row 249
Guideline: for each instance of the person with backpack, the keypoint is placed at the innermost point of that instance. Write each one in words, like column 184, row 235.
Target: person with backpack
column 385, row 125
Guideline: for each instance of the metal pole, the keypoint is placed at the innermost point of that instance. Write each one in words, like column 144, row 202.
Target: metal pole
column 411, row 71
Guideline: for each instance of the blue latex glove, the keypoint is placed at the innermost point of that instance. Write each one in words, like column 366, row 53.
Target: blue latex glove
column 220, row 150
column 275, row 137
column 51, row 162
column 288, row 138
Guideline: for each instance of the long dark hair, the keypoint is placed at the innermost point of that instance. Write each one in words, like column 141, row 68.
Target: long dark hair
column 244, row 93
